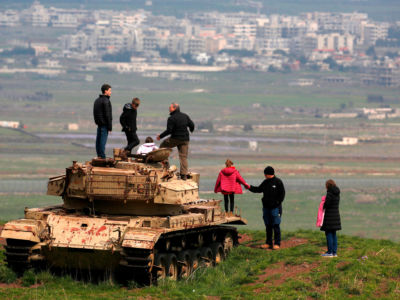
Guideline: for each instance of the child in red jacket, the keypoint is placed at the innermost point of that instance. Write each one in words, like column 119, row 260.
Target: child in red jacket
column 228, row 183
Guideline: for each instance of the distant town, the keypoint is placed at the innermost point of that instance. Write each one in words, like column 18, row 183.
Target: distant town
column 169, row 47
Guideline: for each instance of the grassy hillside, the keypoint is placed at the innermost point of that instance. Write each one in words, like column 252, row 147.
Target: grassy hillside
column 365, row 269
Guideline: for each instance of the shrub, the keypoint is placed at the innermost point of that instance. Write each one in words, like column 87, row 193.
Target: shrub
column 7, row 275
column 29, row 278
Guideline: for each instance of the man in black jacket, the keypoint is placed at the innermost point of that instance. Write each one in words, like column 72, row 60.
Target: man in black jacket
column 274, row 194
column 177, row 126
column 128, row 123
column 102, row 113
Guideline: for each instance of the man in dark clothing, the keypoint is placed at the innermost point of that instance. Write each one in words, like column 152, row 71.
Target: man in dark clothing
column 177, row 126
column 102, row 113
column 128, row 123
column 274, row 194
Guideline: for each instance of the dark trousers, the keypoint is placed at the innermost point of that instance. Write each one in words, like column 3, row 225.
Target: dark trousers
column 132, row 139
column 272, row 222
column 331, row 241
column 101, row 140
column 183, row 150
column 232, row 200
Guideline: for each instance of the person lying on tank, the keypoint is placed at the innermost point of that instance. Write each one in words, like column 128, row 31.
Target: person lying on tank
column 147, row 147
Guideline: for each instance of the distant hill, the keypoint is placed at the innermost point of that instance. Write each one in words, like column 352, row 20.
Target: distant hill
column 388, row 10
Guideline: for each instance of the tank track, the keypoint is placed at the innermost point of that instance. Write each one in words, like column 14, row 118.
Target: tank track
column 179, row 254
column 17, row 254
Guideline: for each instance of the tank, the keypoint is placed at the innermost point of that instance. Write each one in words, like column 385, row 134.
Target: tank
column 130, row 215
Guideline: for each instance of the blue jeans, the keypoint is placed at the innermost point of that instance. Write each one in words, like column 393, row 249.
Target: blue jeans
column 331, row 241
column 101, row 140
column 272, row 222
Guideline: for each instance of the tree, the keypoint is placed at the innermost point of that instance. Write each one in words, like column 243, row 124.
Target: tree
column 247, row 127
column 375, row 98
column 371, row 51
column 121, row 56
column 207, row 125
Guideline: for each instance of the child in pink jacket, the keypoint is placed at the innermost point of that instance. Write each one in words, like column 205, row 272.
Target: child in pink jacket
column 228, row 183
column 321, row 212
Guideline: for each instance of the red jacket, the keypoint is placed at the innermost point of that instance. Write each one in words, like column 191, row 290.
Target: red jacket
column 229, row 181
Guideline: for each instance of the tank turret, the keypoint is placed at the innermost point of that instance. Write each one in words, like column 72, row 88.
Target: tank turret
column 130, row 214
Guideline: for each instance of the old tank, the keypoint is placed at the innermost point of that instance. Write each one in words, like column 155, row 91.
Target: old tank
column 131, row 215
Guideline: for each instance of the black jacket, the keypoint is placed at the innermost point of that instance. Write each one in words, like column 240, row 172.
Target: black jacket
column 177, row 126
column 128, row 118
column 102, row 112
column 274, row 192
column 331, row 206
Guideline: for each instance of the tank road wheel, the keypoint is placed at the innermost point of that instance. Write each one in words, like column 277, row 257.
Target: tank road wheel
column 200, row 240
column 162, row 266
column 172, row 267
column 186, row 264
column 218, row 253
column 196, row 259
column 206, row 257
column 228, row 243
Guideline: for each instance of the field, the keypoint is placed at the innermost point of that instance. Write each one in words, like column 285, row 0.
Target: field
column 365, row 269
column 298, row 143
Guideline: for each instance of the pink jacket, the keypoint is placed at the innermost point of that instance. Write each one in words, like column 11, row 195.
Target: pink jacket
column 321, row 212
column 229, row 181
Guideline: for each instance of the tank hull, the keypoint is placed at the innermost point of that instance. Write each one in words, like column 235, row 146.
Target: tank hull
column 55, row 238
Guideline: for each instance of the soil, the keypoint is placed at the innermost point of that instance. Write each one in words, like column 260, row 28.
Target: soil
column 279, row 273
column 292, row 242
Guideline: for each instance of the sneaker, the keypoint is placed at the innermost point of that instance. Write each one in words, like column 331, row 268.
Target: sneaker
column 266, row 246
column 334, row 255
column 327, row 254
column 276, row 247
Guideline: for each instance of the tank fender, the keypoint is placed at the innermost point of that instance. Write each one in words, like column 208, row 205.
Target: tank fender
column 23, row 229
column 141, row 238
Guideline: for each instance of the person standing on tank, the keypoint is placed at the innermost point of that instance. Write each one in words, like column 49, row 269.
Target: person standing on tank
column 128, row 123
column 102, row 113
column 177, row 126
column 273, row 195
column 331, row 222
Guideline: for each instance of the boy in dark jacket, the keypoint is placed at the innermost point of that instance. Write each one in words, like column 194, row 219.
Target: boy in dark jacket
column 102, row 113
column 274, row 194
column 128, row 123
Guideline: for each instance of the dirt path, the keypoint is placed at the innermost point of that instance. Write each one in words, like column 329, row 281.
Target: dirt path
column 278, row 273
column 246, row 240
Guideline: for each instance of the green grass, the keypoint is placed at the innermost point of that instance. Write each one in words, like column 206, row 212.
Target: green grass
column 12, row 206
column 365, row 268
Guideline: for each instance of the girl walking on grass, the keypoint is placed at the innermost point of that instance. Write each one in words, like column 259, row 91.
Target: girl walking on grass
column 331, row 222
column 228, row 183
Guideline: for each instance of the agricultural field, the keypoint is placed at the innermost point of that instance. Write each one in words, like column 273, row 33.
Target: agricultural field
column 298, row 143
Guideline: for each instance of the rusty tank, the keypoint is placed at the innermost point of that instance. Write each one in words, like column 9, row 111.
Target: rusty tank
column 130, row 215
